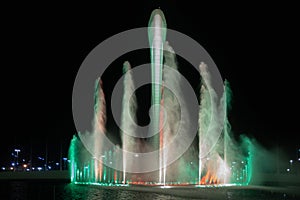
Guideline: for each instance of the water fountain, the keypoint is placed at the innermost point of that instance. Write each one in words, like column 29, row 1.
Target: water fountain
column 210, row 160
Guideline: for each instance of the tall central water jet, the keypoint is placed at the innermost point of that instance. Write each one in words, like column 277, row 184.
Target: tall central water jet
column 157, row 37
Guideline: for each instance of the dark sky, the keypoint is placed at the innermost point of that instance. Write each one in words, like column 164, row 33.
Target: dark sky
column 255, row 47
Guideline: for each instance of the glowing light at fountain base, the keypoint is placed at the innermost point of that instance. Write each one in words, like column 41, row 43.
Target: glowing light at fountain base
column 82, row 172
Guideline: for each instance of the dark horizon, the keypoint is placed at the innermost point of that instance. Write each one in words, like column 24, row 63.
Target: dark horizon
column 253, row 47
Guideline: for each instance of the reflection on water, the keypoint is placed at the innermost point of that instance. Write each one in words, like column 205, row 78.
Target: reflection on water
column 22, row 190
column 18, row 190
column 72, row 191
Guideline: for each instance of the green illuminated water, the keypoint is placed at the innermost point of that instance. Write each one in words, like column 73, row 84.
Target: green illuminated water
column 227, row 162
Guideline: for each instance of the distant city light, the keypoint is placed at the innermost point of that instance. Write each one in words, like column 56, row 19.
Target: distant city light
column 299, row 159
column 40, row 158
column 33, row 168
column 65, row 159
column 49, row 167
column 12, row 164
column 57, row 163
column 288, row 170
column 291, row 161
column 39, row 168
column 24, row 165
column 27, row 170
column 23, row 160
column 11, row 168
column 3, row 168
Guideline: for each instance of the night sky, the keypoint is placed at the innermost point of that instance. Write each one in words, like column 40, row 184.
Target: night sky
column 254, row 46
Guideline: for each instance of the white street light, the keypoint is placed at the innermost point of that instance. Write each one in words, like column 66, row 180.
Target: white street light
column 17, row 150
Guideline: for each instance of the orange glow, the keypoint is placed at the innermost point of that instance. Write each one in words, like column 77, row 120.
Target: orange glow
column 161, row 136
column 100, row 171
column 115, row 176
column 209, row 178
